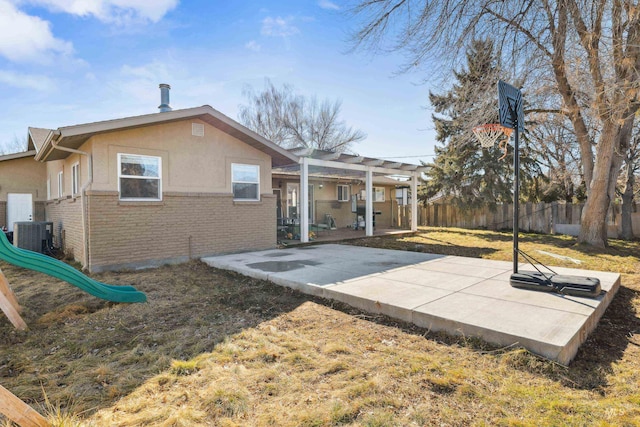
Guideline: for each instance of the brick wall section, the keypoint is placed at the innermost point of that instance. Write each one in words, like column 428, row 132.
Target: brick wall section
column 39, row 211
column 181, row 226
column 66, row 215
column 3, row 213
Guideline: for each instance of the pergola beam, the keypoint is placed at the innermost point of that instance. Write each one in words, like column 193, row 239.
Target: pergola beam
column 392, row 165
column 356, row 159
column 360, row 167
column 332, row 156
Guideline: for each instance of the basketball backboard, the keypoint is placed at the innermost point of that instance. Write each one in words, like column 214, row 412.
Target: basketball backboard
column 510, row 102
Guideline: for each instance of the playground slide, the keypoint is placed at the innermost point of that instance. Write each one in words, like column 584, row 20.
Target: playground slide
column 58, row 269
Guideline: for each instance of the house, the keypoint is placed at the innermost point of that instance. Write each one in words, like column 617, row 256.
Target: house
column 23, row 190
column 178, row 184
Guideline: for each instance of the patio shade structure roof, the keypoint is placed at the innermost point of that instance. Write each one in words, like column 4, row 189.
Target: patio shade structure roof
column 339, row 165
column 313, row 162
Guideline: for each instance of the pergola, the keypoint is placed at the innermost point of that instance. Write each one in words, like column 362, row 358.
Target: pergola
column 311, row 162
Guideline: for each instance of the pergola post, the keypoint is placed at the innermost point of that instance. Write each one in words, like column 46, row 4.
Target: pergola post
column 369, row 203
column 304, row 200
column 414, row 202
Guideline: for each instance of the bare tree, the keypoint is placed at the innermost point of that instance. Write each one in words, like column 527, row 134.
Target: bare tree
column 629, row 184
column 557, row 152
column 590, row 49
column 16, row 145
column 291, row 120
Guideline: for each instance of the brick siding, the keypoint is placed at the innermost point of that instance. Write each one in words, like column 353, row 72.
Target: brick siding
column 66, row 215
column 181, row 226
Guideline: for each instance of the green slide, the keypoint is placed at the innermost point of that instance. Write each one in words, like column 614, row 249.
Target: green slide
column 58, row 269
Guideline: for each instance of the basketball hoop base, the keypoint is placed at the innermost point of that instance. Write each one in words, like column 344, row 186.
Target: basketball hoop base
column 578, row 286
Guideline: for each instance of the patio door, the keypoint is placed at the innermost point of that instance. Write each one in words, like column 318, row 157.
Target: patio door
column 278, row 193
column 312, row 216
column 293, row 201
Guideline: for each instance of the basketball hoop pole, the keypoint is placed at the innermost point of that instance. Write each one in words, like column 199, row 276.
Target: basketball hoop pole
column 516, row 188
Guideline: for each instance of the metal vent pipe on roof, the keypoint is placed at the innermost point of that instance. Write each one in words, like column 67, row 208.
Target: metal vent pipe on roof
column 164, row 98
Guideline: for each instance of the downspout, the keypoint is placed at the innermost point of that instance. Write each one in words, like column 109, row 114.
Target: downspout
column 83, row 193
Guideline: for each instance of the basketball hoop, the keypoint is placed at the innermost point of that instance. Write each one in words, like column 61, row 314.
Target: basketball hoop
column 488, row 134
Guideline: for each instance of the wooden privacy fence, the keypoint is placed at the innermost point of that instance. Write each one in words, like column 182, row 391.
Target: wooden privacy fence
column 548, row 218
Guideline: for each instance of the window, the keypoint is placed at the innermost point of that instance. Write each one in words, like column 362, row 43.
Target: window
column 139, row 177
column 378, row 194
column 402, row 196
column 75, row 178
column 343, row 193
column 60, row 184
column 245, row 181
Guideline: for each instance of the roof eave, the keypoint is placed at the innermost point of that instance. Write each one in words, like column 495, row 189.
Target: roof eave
column 14, row 156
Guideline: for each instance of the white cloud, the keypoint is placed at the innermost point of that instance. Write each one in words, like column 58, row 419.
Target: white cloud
column 25, row 38
column 112, row 11
column 326, row 4
column 26, row 81
column 253, row 45
column 278, row 27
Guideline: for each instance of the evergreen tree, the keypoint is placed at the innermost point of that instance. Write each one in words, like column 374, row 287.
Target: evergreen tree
column 462, row 172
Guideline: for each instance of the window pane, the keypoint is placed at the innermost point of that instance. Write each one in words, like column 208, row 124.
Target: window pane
column 245, row 191
column 343, row 193
column 139, row 165
column 378, row 194
column 133, row 188
column 244, row 173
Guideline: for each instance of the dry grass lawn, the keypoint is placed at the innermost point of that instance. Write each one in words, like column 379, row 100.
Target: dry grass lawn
column 216, row 348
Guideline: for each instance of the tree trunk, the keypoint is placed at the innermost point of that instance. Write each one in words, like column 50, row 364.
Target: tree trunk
column 600, row 192
column 627, row 205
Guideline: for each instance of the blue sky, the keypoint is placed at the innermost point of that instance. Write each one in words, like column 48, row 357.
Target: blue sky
column 65, row 62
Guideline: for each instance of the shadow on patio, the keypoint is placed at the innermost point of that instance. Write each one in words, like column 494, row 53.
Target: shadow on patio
column 326, row 235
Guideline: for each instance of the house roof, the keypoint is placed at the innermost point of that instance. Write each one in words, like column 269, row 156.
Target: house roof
column 74, row 136
column 37, row 136
column 12, row 156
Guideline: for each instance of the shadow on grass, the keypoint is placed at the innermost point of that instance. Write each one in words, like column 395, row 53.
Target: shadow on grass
column 441, row 248
column 607, row 344
column 86, row 354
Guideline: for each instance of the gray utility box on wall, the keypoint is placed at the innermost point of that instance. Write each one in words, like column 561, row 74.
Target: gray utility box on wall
column 33, row 235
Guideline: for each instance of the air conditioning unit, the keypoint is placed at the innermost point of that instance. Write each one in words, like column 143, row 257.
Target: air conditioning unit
column 33, row 235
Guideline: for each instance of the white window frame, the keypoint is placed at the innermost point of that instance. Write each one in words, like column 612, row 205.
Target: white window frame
column 49, row 187
column 376, row 191
column 348, row 193
column 75, row 178
column 60, row 184
column 257, row 182
column 159, row 178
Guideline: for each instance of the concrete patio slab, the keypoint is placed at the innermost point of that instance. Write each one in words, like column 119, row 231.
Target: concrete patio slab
column 464, row 296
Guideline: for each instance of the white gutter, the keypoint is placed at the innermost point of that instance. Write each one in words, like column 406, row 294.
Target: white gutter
column 83, row 192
